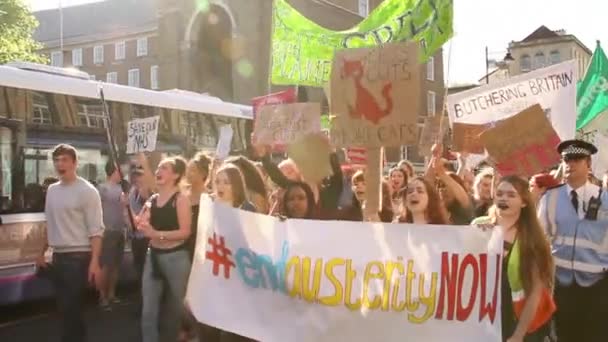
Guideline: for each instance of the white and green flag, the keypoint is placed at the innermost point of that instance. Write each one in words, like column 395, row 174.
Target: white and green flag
column 592, row 95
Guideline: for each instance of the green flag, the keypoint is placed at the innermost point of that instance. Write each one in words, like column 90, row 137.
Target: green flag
column 592, row 93
column 302, row 51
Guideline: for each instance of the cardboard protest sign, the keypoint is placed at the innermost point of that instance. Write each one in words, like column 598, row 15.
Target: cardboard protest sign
column 276, row 280
column 431, row 133
column 286, row 123
column 224, row 142
column 375, row 96
column 523, row 144
column 553, row 87
column 465, row 137
column 311, row 154
column 142, row 134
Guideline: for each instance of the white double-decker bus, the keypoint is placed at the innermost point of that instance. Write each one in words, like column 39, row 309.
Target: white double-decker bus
column 41, row 107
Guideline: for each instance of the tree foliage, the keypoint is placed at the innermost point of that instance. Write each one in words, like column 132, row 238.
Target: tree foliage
column 17, row 25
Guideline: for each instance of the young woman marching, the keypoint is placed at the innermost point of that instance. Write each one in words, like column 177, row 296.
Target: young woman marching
column 229, row 188
column 398, row 180
column 527, row 303
column 422, row 205
column 299, row 201
column 166, row 221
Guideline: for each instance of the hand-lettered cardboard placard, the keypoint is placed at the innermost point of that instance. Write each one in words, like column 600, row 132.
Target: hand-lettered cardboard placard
column 431, row 134
column 311, row 154
column 465, row 138
column 523, row 144
column 286, row 123
column 142, row 134
column 375, row 96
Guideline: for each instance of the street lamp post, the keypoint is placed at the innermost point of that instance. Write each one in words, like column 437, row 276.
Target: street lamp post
column 504, row 63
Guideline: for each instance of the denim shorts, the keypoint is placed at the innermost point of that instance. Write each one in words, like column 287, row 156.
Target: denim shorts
column 112, row 248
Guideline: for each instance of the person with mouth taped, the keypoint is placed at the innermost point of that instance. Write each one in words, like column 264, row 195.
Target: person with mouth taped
column 528, row 270
column 422, row 204
column 575, row 218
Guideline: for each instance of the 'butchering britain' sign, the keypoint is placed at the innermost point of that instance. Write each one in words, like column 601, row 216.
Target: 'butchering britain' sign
column 307, row 280
column 554, row 88
column 142, row 134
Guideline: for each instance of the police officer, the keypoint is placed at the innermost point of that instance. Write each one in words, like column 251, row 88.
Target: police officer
column 575, row 216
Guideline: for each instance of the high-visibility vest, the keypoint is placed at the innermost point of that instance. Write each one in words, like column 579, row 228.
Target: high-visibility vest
column 546, row 306
column 579, row 247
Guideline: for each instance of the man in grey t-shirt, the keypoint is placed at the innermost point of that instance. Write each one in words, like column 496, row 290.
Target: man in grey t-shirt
column 74, row 231
column 113, row 246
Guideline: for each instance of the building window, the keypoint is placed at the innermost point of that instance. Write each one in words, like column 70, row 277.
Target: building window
column 98, row 54
column 112, row 77
column 77, row 57
column 142, row 47
column 134, row 78
column 90, row 115
column 57, row 59
column 525, row 63
column 430, row 103
column 154, row 77
column 539, row 60
column 119, row 51
column 555, row 57
column 41, row 113
column 430, row 69
column 363, row 8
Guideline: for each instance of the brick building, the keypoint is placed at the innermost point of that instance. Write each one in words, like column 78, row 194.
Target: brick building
column 220, row 47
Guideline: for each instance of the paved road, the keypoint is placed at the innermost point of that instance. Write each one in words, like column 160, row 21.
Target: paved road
column 40, row 322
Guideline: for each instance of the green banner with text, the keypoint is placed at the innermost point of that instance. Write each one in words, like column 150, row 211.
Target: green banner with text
column 302, row 51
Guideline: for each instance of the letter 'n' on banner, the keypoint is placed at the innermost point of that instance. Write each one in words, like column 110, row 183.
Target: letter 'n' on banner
column 373, row 182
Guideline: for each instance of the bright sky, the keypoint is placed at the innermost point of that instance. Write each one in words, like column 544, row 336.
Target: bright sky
column 492, row 23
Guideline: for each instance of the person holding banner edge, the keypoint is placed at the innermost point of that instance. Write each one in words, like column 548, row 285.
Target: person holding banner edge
column 575, row 218
column 528, row 270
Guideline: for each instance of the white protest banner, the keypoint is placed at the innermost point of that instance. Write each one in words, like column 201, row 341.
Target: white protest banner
column 308, row 280
column 553, row 87
column 142, row 134
column 224, row 142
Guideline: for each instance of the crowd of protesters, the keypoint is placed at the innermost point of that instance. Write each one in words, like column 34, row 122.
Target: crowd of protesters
column 165, row 216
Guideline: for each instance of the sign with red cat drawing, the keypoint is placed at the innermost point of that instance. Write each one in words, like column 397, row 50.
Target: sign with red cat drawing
column 375, row 96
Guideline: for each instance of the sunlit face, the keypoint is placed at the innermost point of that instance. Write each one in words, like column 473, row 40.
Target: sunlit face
column 359, row 190
column 193, row 174
column 417, row 197
column 484, row 189
column 576, row 169
column 223, row 189
column 297, row 203
column 507, row 200
column 397, row 180
column 165, row 174
column 290, row 171
column 64, row 165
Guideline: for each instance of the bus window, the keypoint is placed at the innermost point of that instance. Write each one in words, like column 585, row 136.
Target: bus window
column 6, row 158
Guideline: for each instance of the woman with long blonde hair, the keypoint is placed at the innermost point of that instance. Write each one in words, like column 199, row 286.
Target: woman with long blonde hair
column 528, row 269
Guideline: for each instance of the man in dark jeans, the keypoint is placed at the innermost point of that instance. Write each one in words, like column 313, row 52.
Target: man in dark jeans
column 74, row 231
